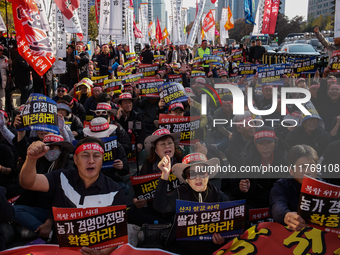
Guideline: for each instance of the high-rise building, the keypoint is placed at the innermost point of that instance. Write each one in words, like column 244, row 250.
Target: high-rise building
column 283, row 6
column 208, row 6
column 319, row 7
column 238, row 9
column 158, row 10
column 191, row 14
column 223, row 4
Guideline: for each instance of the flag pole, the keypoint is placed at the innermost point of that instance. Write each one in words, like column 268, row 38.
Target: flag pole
column 7, row 24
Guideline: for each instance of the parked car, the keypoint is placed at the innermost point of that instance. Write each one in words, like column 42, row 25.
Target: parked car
column 269, row 49
column 299, row 49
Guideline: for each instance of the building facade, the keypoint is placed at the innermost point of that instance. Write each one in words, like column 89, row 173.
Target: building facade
column 319, row 7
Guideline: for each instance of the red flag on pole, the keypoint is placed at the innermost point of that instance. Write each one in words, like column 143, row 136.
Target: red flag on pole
column 31, row 4
column 196, row 8
column 208, row 21
column 273, row 16
column 66, row 7
column 33, row 43
column 136, row 31
column 266, row 16
column 159, row 35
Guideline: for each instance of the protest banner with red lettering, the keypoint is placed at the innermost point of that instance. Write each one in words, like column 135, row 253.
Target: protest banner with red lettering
column 145, row 185
column 335, row 62
column 33, row 43
column 148, row 69
column 320, row 205
column 237, row 54
column 260, row 215
column 112, row 85
column 39, row 113
column 98, row 228
column 188, row 126
column 199, row 221
column 149, row 87
column 269, row 238
column 132, row 78
column 175, row 78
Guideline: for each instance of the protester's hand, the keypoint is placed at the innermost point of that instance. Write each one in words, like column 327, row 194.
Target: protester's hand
column 326, row 72
column 139, row 147
column 2, row 120
column 230, row 136
column 5, row 170
column 118, row 164
column 61, row 121
column 77, row 57
column 244, row 185
column 119, row 113
column 37, row 150
column 44, row 230
column 17, row 121
column 60, row 58
column 285, row 77
column 139, row 203
column 317, row 74
column 292, row 74
column 10, row 61
column 110, row 68
column 211, row 66
column 75, row 63
column 338, row 119
column 161, row 104
column 183, row 68
column 89, row 251
column 74, row 133
column 217, row 238
column 165, row 166
column 316, row 29
column 256, row 76
column 191, row 102
column 200, row 148
column 294, row 221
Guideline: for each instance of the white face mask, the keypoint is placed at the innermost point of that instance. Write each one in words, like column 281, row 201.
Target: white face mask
column 52, row 155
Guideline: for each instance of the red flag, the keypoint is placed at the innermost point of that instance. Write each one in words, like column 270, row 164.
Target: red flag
column 75, row 3
column 266, row 16
column 30, row 4
column 213, row 1
column 159, row 35
column 273, row 16
column 168, row 42
column 97, row 7
column 208, row 21
column 66, row 7
column 33, row 43
column 136, row 31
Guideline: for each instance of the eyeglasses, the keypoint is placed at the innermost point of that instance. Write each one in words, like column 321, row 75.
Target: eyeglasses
column 164, row 144
column 61, row 90
column 101, row 112
column 191, row 175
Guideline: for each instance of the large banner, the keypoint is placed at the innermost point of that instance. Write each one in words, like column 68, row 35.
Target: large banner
column 172, row 92
column 208, row 22
column 272, row 238
column 223, row 32
column 199, row 221
column 335, row 61
column 33, row 43
column 73, row 25
column 195, row 26
column 188, row 126
column 58, row 39
column 83, row 13
column 143, row 21
column 2, row 25
column 211, row 32
column 111, row 16
column 249, row 9
column 320, row 205
column 271, row 75
column 266, row 17
column 305, row 65
column 98, row 228
column 145, row 185
column 273, row 16
column 39, row 113
column 176, row 22
column 148, row 69
column 149, row 86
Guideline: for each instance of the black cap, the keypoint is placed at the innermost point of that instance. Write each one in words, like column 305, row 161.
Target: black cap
column 147, row 46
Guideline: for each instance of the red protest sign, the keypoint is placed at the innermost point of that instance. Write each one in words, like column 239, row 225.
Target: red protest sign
column 97, row 228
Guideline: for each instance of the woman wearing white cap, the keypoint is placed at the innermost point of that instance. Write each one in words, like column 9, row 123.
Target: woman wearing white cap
column 196, row 188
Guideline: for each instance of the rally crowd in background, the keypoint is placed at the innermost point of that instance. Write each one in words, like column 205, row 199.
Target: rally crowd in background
column 35, row 164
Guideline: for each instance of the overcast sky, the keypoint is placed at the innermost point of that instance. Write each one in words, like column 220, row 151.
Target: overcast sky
column 293, row 7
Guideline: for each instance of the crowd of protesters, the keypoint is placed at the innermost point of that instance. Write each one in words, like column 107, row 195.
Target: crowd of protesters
column 37, row 165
